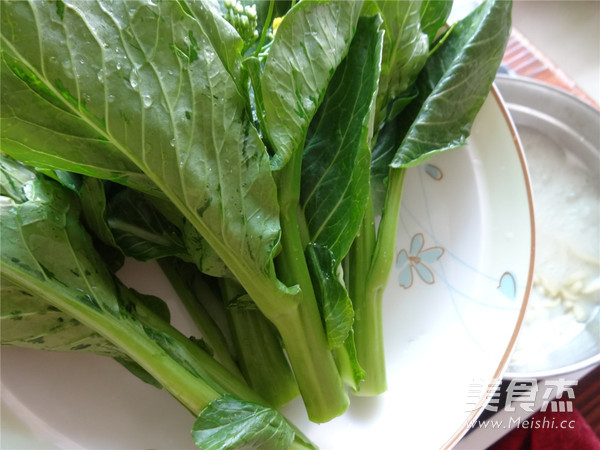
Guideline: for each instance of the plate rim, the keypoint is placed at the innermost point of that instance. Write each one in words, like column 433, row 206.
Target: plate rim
column 504, row 361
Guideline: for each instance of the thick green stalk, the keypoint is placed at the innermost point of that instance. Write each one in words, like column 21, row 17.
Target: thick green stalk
column 301, row 328
column 211, row 333
column 321, row 387
column 212, row 371
column 356, row 265
column 361, row 254
column 259, row 351
column 385, row 247
column 368, row 321
column 370, row 345
column 294, row 312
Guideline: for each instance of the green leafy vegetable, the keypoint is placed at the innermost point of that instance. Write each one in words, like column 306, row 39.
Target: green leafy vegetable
column 335, row 172
column 194, row 141
column 310, row 42
column 258, row 150
column 405, row 50
column 27, row 321
column 34, row 232
column 452, row 87
column 89, row 309
column 228, row 423
column 140, row 230
column 257, row 343
column 30, row 322
column 454, row 84
column 434, row 14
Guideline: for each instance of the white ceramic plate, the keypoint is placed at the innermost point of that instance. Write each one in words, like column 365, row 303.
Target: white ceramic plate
column 452, row 309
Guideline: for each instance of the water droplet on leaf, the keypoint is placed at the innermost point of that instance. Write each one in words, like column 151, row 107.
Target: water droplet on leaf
column 66, row 65
column 134, row 79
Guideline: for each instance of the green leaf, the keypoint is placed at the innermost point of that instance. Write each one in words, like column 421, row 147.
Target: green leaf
column 28, row 321
column 139, row 229
column 310, row 42
column 405, row 51
column 15, row 176
column 203, row 255
column 228, row 423
column 70, row 180
column 130, row 298
column 223, row 37
column 198, row 250
column 434, row 14
column 335, row 164
column 55, row 138
column 94, row 207
column 32, row 241
column 137, row 370
column 334, row 302
column 179, row 122
column 454, row 84
column 335, row 173
column 48, row 254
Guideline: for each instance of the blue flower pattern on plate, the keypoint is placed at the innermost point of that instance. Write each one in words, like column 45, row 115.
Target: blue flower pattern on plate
column 418, row 260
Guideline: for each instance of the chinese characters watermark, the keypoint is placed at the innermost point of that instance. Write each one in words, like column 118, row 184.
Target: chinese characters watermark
column 526, row 394
column 522, row 397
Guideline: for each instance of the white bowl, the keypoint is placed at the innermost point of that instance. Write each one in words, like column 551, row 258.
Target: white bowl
column 561, row 138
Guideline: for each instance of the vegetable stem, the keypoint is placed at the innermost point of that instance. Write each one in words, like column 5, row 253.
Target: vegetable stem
column 383, row 254
column 208, row 328
column 321, row 387
column 265, row 29
column 301, row 328
column 215, row 374
column 260, row 355
column 368, row 322
column 357, row 266
column 361, row 253
column 369, row 344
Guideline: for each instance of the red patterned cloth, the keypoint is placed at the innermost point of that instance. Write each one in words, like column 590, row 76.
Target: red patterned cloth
column 551, row 430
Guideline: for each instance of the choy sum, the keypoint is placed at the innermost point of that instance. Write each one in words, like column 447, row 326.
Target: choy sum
column 247, row 147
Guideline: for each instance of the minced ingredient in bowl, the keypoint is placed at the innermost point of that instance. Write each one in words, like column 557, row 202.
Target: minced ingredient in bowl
column 566, row 284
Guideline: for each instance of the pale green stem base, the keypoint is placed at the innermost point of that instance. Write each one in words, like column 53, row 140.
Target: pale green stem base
column 368, row 326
